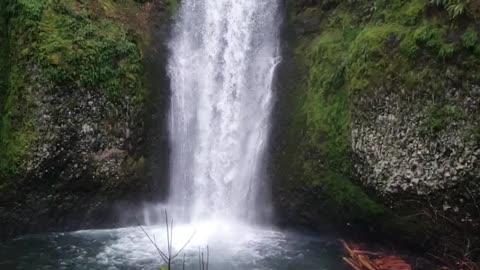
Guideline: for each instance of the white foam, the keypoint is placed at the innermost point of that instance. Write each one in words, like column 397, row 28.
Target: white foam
column 222, row 64
column 226, row 240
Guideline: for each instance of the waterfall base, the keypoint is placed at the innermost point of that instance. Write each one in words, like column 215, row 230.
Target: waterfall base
column 231, row 246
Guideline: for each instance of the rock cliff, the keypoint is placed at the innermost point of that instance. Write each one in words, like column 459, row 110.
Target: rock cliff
column 73, row 104
column 379, row 120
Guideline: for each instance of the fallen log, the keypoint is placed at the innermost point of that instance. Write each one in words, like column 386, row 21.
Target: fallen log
column 360, row 259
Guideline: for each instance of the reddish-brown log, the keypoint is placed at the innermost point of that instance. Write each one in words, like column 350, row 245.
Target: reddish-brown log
column 366, row 260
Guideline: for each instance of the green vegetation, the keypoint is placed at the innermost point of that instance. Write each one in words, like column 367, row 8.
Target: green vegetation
column 361, row 49
column 455, row 8
column 16, row 130
column 64, row 44
column 75, row 47
column 172, row 6
column 470, row 39
column 351, row 201
column 440, row 116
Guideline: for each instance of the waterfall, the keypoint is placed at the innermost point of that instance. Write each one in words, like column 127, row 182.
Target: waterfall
column 223, row 56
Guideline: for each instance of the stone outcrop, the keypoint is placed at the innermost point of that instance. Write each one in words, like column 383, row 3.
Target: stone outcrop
column 397, row 150
column 73, row 117
column 379, row 122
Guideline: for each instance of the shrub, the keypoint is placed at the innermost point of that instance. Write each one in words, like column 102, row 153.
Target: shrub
column 470, row 39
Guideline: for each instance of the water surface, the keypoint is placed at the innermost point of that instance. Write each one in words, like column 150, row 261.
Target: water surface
column 230, row 248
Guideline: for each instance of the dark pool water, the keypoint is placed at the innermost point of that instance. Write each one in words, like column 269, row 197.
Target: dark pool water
column 230, row 248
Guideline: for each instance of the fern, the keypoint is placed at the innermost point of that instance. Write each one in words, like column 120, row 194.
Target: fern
column 446, row 51
column 455, row 8
column 470, row 39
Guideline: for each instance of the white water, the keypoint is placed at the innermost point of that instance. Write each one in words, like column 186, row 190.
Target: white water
column 223, row 59
column 249, row 248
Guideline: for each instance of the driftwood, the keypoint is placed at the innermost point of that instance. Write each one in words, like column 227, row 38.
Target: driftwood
column 365, row 260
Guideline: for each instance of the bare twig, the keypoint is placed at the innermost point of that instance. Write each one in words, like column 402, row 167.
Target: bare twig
column 184, row 246
column 183, row 262
column 199, row 259
column 160, row 252
column 168, row 256
column 208, row 256
column 202, row 264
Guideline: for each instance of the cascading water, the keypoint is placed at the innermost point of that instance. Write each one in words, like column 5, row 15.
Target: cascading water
column 222, row 64
column 223, row 59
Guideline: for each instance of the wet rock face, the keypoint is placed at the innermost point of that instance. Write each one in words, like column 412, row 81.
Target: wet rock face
column 422, row 147
column 397, row 150
column 75, row 122
column 82, row 135
column 377, row 106
column 87, row 156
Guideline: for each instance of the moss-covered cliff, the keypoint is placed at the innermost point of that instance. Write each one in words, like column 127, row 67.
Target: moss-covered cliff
column 72, row 107
column 381, row 124
column 379, row 115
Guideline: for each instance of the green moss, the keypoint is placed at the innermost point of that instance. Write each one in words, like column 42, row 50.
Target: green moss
column 368, row 54
column 412, row 12
column 30, row 9
column 470, row 39
column 17, row 131
column 327, row 114
column 429, row 36
column 408, row 46
column 172, row 6
column 438, row 117
column 363, row 49
column 75, row 47
column 351, row 202
column 67, row 44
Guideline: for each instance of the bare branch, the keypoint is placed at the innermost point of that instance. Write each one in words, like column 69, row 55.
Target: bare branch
column 208, row 256
column 168, row 256
column 199, row 259
column 186, row 243
column 171, row 237
column 164, row 257
column 183, row 262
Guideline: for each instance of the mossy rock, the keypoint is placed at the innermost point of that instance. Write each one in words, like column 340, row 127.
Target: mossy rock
column 361, row 54
column 72, row 101
column 69, row 44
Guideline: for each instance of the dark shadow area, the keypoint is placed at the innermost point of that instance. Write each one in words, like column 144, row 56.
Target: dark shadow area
column 157, row 149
